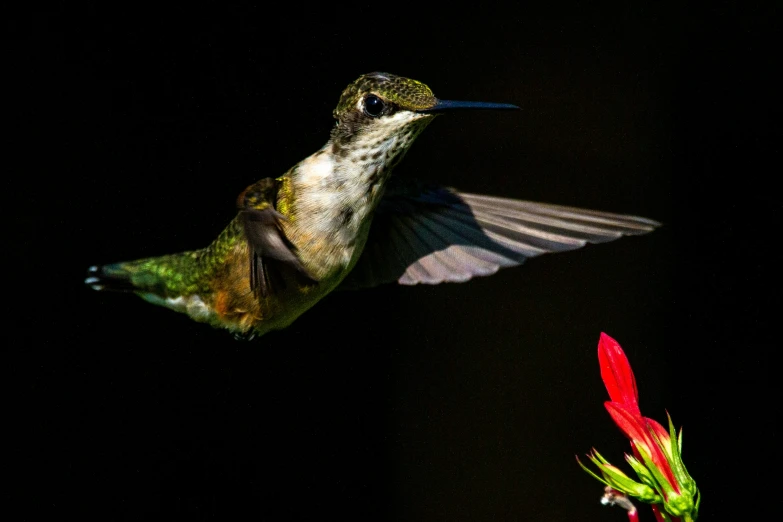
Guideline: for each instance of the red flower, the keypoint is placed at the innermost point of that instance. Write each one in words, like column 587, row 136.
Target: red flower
column 656, row 460
column 617, row 375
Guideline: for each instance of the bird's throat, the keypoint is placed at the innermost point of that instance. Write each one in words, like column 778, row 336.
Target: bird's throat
column 337, row 189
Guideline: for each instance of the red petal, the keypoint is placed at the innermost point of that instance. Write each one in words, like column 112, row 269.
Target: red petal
column 663, row 433
column 617, row 374
column 631, row 424
column 636, row 428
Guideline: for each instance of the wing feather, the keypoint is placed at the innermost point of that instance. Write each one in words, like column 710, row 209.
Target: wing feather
column 430, row 235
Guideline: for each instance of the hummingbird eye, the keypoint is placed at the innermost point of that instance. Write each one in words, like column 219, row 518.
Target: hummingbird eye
column 373, row 106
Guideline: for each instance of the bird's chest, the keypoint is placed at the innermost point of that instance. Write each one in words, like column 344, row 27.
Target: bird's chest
column 332, row 213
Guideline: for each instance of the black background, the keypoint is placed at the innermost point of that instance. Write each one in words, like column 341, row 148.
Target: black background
column 134, row 130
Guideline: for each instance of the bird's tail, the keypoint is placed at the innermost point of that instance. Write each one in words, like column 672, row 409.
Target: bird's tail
column 161, row 276
column 129, row 276
column 109, row 277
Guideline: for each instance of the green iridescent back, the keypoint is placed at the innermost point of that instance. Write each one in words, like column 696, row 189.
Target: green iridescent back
column 404, row 92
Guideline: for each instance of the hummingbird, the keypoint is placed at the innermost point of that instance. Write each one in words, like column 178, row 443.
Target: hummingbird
column 339, row 220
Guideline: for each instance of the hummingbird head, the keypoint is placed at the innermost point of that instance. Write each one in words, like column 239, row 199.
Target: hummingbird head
column 380, row 115
column 381, row 94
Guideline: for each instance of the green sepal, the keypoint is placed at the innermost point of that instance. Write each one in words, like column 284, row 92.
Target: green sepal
column 589, row 471
column 678, row 466
column 679, row 435
column 615, row 478
column 599, row 457
column 646, row 477
column 679, row 505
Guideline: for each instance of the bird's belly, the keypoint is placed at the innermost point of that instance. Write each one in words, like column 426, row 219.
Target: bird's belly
column 296, row 298
column 232, row 304
column 192, row 305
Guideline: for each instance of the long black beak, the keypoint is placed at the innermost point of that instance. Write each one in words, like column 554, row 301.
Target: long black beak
column 449, row 105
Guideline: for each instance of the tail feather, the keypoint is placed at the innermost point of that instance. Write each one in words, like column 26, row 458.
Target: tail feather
column 158, row 280
column 110, row 277
column 165, row 276
column 151, row 275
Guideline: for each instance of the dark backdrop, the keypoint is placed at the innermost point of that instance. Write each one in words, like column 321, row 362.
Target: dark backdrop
column 132, row 133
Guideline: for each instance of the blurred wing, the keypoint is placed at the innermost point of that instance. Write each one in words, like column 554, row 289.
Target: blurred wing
column 434, row 235
column 267, row 246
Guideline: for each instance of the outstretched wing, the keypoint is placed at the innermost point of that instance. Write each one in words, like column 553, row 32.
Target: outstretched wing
column 431, row 235
column 267, row 245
